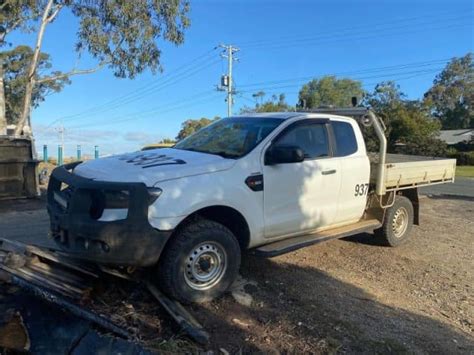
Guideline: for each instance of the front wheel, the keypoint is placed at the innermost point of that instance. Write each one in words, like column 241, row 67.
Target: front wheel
column 397, row 223
column 200, row 262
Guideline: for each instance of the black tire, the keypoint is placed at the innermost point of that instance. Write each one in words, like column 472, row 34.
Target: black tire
column 395, row 232
column 212, row 243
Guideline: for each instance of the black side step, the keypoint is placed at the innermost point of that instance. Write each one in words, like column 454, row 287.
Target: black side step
column 293, row 243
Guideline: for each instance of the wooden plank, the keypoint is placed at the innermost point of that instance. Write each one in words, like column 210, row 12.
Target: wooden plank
column 59, row 275
column 181, row 316
column 9, row 245
column 40, row 283
column 62, row 261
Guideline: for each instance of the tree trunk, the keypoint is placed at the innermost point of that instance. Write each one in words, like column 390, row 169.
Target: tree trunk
column 3, row 118
column 30, row 84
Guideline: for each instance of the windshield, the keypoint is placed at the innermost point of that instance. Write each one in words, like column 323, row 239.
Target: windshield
column 230, row 137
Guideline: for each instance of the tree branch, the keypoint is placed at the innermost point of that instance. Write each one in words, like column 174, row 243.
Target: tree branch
column 71, row 73
column 13, row 26
column 54, row 14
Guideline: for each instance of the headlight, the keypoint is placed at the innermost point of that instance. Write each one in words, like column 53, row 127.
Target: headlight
column 116, row 199
column 107, row 199
column 153, row 193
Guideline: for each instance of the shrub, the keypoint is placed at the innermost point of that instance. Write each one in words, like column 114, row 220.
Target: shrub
column 426, row 146
column 463, row 158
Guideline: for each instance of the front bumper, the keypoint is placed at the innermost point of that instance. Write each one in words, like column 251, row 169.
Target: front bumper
column 131, row 241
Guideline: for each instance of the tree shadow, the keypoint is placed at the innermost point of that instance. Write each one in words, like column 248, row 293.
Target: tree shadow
column 451, row 197
column 301, row 309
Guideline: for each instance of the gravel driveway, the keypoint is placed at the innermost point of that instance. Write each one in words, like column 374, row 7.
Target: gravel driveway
column 349, row 295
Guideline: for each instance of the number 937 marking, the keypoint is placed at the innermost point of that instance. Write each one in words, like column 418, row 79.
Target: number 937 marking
column 361, row 189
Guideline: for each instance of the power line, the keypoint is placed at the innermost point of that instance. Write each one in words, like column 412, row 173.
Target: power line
column 191, row 100
column 182, row 72
column 402, row 76
column 164, row 86
column 330, row 35
column 161, row 112
column 298, row 82
column 412, row 65
column 145, row 114
column 369, row 26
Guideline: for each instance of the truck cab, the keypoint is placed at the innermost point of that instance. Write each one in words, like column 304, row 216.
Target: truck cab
column 269, row 182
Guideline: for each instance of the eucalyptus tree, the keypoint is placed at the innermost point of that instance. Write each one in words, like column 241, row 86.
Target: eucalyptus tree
column 121, row 35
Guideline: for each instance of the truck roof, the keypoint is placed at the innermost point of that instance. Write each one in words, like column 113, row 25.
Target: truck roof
column 281, row 115
column 288, row 115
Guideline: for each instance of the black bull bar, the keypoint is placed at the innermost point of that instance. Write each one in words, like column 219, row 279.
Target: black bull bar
column 76, row 228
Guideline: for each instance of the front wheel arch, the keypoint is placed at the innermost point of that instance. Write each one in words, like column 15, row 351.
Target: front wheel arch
column 225, row 215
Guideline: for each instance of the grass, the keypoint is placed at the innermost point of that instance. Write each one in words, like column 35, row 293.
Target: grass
column 465, row 171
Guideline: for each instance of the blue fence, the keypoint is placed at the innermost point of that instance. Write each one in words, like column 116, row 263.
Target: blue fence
column 60, row 156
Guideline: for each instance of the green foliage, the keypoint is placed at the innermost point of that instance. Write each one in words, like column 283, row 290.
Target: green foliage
column 451, row 98
column 427, row 146
column 124, row 34
column 385, row 94
column 15, row 64
column 329, row 91
column 464, row 146
column 16, row 14
column 167, row 141
column 462, row 158
column 409, row 126
column 188, row 127
column 274, row 104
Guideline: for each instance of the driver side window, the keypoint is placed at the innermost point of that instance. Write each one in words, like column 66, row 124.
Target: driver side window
column 312, row 138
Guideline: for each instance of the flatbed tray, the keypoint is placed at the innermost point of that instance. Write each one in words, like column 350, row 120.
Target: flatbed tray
column 409, row 171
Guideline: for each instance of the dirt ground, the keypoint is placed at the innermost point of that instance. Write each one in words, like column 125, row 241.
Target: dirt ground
column 349, row 295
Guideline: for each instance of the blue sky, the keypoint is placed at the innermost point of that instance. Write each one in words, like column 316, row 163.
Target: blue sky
column 282, row 45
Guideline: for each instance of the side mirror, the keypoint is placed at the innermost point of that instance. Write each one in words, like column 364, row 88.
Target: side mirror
column 283, row 154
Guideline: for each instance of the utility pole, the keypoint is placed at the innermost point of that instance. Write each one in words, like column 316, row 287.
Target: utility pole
column 226, row 80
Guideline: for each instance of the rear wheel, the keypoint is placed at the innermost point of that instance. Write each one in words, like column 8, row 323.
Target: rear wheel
column 200, row 263
column 397, row 223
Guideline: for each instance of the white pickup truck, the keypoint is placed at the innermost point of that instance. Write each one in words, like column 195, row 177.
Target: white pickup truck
column 271, row 183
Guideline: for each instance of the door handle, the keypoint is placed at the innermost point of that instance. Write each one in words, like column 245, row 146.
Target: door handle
column 328, row 172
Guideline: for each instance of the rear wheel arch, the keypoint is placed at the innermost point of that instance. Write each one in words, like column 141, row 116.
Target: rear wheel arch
column 412, row 195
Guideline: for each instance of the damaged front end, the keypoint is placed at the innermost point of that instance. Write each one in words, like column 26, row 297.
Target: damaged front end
column 103, row 222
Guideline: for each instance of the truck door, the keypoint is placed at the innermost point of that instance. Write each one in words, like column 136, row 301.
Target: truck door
column 349, row 149
column 302, row 196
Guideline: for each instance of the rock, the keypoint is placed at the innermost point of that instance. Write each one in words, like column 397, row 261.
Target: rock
column 240, row 323
column 242, row 298
column 239, row 293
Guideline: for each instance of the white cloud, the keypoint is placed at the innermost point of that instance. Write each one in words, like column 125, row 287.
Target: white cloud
column 141, row 137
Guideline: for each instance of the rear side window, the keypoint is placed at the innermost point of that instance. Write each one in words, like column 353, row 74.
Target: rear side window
column 311, row 138
column 346, row 143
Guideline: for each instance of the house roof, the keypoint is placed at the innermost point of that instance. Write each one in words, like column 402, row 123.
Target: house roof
column 454, row 136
